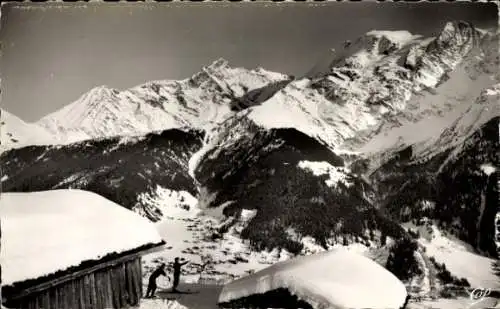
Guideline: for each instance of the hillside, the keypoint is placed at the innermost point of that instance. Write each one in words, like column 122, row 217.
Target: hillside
column 119, row 169
column 452, row 177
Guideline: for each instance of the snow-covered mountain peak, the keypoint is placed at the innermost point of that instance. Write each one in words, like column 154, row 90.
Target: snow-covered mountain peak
column 445, row 52
column 382, row 81
column 366, row 51
column 400, row 37
column 218, row 64
column 15, row 133
column 197, row 102
column 97, row 94
column 455, row 40
column 102, row 90
column 385, row 42
column 457, row 32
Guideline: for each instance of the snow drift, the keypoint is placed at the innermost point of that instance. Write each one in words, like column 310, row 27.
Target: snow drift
column 334, row 279
column 44, row 232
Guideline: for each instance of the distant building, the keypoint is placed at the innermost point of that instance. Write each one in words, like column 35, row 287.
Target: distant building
column 72, row 249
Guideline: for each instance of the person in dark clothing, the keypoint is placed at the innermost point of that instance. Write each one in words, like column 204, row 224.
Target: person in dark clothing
column 152, row 280
column 406, row 302
column 177, row 273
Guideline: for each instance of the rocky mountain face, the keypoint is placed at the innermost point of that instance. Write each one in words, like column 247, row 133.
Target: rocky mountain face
column 391, row 127
column 382, row 81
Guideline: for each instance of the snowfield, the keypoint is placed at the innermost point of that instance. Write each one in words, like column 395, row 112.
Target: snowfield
column 334, row 279
column 44, row 232
column 461, row 261
column 456, row 303
column 336, row 174
column 160, row 304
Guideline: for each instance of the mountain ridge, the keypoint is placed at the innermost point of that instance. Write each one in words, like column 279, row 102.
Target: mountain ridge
column 197, row 102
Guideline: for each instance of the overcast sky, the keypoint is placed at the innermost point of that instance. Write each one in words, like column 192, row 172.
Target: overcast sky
column 52, row 56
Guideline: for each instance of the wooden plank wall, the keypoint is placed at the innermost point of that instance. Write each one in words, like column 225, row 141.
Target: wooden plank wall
column 119, row 286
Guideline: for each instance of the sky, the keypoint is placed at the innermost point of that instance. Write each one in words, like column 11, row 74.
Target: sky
column 52, row 54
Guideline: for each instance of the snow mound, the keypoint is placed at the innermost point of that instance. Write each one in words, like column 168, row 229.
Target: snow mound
column 334, row 279
column 44, row 232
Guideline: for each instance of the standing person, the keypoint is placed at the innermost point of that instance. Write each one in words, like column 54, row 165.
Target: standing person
column 177, row 273
column 406, row 302
column 160, row 271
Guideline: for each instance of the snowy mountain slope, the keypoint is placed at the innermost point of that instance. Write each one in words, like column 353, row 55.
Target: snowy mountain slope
column 484, row 109
column 200, row 101
column 120, row 169
column 15, row 133
column 431, row 136
column 460, row 260
column 444, row 178
column 276, row 166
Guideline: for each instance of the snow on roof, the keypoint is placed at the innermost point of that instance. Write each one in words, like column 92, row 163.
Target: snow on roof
column 333, row 279
column 44, row 232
